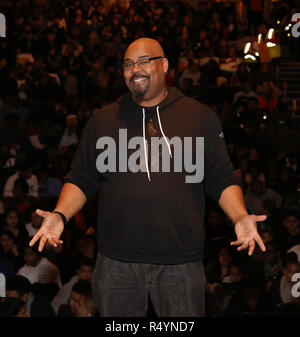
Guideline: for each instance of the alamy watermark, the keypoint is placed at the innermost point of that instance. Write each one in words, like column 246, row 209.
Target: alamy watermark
column 296, row 286
column 147, row 157
column 2, row 285
column 2, row 25
column 296, row 27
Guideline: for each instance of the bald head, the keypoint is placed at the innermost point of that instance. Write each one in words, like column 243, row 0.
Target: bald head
column 146, row 78
column 146, row 44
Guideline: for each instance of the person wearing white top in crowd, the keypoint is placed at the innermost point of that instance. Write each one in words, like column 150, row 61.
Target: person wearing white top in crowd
column 70, row 136
column 39, row 269
column 291, row 266
column 84, row 272
column 25, row 172
column 35, row 223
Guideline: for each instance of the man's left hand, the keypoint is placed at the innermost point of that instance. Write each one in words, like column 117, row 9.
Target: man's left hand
column 247, row 235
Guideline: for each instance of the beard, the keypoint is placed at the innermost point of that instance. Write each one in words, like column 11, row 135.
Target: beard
column 139, row 91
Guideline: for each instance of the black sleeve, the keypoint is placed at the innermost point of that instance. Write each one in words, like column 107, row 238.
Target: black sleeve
column 83, row 172
column 218, row 169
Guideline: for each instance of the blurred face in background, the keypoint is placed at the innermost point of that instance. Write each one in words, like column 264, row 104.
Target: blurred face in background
column 291, row 223
column 85, row 272
column 31, row 258
column 225, row 257
column 36, row 220
column 87, row 247
column 6, row 242
column 291, row 269
column 12, row 219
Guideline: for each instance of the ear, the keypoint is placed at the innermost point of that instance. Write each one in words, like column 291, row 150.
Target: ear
column 165, row 65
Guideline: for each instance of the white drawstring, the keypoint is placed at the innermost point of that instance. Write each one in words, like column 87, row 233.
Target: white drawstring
column 146, row 154
column 161, row 130
column 145, row 147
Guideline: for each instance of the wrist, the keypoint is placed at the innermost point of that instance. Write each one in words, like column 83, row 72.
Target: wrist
column 239, row 217
column 63, row 217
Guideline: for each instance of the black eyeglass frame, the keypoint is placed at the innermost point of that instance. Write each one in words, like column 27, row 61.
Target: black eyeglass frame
column 144, row 59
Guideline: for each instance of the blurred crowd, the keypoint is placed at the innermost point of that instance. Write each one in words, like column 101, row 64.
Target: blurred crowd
column 61, row 61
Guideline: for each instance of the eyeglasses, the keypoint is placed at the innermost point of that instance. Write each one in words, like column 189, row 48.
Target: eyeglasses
column 142, row 63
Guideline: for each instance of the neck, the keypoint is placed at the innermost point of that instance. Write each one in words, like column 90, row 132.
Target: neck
column 36, row 262
column 152, row 102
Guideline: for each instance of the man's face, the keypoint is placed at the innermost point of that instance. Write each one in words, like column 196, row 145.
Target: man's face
column 36, row 220
column 85, row 272
column 225, row 258
column 291, row 269
column 30, row 257
column 291, row 223
column 145, row 82
column 6, row 242
column 12, row 219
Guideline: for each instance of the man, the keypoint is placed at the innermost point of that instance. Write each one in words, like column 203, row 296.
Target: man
column 80, row 302
column 83, row 272
column 19, row 287
column 150, row 224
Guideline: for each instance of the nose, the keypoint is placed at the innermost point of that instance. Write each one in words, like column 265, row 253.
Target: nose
column 136, row 68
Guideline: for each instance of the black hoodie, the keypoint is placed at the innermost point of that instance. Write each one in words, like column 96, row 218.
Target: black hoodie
column 152, row 217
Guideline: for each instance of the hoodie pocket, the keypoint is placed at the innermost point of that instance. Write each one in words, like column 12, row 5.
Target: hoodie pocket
column 148, row 224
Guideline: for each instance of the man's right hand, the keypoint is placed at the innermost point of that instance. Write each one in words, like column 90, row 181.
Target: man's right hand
column 51, row 229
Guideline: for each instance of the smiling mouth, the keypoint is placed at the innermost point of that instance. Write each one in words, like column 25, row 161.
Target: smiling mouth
column 139, row 80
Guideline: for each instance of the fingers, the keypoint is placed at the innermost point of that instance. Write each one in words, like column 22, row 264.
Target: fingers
column 236, row 243
column 43, row 240
column 242, row 243
column 260, row 242
column 35, row 238
column 260, row 217
column 243, row 246
column 53, row 242
column 251, row 244
column 251, row 247
column 41, row 213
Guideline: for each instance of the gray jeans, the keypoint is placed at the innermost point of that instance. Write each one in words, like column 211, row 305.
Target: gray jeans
column 121, row 289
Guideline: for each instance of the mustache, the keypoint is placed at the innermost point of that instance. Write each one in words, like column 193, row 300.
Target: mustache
column 138, row 76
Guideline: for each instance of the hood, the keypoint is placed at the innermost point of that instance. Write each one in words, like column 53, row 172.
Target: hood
column 136, row 116
column 131, row 113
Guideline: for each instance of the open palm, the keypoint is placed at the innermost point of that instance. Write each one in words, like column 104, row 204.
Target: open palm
column 51, row 229
column 247, row 235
